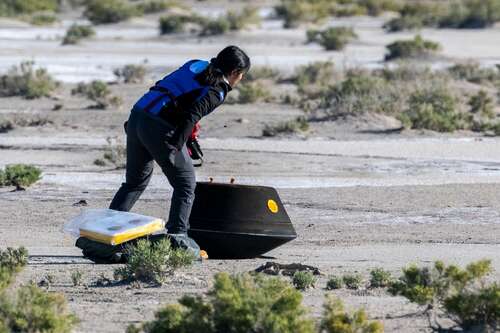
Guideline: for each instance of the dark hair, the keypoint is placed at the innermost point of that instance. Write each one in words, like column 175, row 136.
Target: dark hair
column 230, row 59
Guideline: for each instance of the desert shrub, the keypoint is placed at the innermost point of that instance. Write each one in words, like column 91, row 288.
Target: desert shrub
column 295, row 12
column 19, row 7
column 173, row 23
column 415, row 15
column 314, row 79
column 352, row 281
column 298, row 125
column 240, row 20
column 98, row 92
column 43, row 19
column 263, row 73
column 471, row 14
column 413, row 48
column 212, row 27
column 35, row 310
column 252, row 92
column 26, row 81
column 377, row 7
column 131, row 73
column 336, row 320
column 434, row 108
column 12, row 261
column 153, row 262
column 240, row 303
column 332, row 38
column 76, row 33
column 361, row 93
column 21, row 175
column 334, row 282
column 473, row 72
column 380, row 278
column 6, row 125
column 482, row 104
column 108, row 11
column 303, row 280
column 152, row 6
column 462, row 295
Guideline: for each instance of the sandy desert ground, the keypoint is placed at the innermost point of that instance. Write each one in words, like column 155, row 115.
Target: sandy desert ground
column 358, row 198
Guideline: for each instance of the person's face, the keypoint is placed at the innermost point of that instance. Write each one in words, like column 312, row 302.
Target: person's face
column 235, row 77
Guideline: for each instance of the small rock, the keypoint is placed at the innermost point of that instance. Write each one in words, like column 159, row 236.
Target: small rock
column 80, row 203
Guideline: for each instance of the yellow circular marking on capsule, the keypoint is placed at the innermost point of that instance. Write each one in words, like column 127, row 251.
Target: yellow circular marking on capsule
column 272, row 205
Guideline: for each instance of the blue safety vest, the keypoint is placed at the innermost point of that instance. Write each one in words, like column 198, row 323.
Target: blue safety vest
column 177, row 83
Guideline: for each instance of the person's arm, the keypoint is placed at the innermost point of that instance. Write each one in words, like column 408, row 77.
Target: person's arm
column 201, row 107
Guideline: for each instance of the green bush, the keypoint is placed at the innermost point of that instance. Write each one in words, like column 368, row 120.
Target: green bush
column 131, row 73
column 153, row 262
column 352, row 281
column 303, row 280
column 212, row 27
column 334, row 282
column 76, row 33
column 21, row 175
column 462, row 295
column 98, row 92
column 35, row 310
column 434, row 108
column 236, row 304
column 298, row 125
column 332, row 38
column 377, row 7
column 337, row 320
column 26, row 81
column 380, row 278
column 413, row 48
column 108, row 11
column 252, row 92
column 240, row 20
column 43, row 19
column 12, row 261
column 19, row 7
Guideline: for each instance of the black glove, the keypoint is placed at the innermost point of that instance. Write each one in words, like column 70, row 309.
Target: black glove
column 195, row 150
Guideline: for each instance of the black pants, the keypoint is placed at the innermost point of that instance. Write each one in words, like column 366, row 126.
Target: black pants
column 146, row 142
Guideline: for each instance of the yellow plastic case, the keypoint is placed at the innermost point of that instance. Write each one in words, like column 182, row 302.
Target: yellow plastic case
column 118, row 233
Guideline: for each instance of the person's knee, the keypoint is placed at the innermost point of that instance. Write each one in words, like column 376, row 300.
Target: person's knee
column 135, row 187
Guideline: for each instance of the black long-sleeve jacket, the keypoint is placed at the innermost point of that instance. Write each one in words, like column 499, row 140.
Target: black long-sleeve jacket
column 191, row 107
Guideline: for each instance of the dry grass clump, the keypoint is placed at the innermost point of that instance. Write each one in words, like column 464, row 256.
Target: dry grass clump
column 153, row 262
column 253, row 92
column 26, row 81
column 296, row 126
column 98, row 92
column 332, row 38
column 473, row 72
column 114, row 154
column 411, row 48
column 246, row 17
column 76, row 33
column 108, row 11
column 43, row 19
column 131, row 73
column 303, row 280
column 462, row 295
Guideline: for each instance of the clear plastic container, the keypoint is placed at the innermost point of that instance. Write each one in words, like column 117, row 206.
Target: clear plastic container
column 112, row 227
